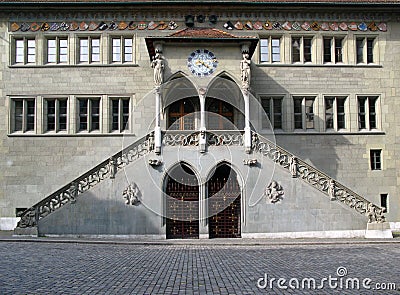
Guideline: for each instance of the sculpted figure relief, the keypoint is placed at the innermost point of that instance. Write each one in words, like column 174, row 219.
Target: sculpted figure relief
column 245, row 71
column 131, row 194
column 274, row 192
column 158, row 65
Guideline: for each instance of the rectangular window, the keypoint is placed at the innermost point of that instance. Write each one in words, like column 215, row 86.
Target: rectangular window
column 122, row 49
column 57, row 50
column 375, row 159
column 276, row 49
column 24, row 51
column 89, row 114
column 264, row 50
column 120, row 114
column 56, row 110
column 335, row 113
column 365, row 50
column 384, row 203
column 301, row 49
column 89, row 50
column 367, row 114
column 270, row 49
column 272, row 107
column 303, row 112
column 23, row 114
column 333, row 49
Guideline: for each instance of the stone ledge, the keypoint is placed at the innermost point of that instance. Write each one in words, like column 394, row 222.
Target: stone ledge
column 378, row 231
column 27, row 231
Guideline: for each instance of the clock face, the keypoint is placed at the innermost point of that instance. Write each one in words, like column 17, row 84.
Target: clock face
column 202, row 62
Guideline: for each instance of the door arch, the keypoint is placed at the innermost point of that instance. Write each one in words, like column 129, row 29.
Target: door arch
column 182, row 203
column 224, row 204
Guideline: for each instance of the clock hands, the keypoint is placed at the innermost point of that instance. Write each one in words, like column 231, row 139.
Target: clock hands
column 202, row 63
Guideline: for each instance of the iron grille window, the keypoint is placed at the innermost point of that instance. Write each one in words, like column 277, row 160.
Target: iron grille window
column 57, row 50
column 122, row 49
column 56, row 110
column 375, row 159
column 24, row 115
column 304, row 112
column 367, row 112
column 272, row 107
column 24, row 50
column 89, row 49
column 89, row 114
column 120, row 114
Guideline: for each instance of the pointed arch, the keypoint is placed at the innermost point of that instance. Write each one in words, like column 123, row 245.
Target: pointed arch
column 181, row 201
column 224, row 198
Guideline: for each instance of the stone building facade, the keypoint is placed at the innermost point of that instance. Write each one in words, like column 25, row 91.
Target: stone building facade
column 175, row 120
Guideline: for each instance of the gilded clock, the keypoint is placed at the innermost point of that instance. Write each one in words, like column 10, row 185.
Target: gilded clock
column 202, row 62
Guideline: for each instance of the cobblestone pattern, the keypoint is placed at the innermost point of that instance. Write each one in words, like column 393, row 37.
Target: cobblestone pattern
column 70, row 268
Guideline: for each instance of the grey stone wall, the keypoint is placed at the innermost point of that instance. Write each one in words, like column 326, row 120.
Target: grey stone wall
column 35, row 166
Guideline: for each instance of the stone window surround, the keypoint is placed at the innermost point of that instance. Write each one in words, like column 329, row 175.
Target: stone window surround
column 351, row 114
column 73, row 48
column 72, row 116
column 349, row 48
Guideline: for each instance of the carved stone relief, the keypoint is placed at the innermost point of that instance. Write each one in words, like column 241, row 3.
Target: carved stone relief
column 274, row 192
column 131, row 194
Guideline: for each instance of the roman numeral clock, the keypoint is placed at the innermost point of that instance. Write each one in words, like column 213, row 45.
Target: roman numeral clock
column 202, row 62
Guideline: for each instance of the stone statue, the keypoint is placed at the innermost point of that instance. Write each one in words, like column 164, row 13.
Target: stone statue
column 73, row 192
column 158, row 65
column 274, row 192
column 245, row 71
column 131, row 194
column 293, row 166
column 112, row 167
column 332, row 190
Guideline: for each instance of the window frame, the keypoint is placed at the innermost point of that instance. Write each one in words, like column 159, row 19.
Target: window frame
column 89, row 115
column 57, row 114
column 333, row 49
column 90, row 53
column 122, row 39
column 302, row 49
column 336, row 113
column 120, row 115
column 363, row 53
column 270, row 48
column 375, row 158
column 58, row 47
column 368, row 113
column 271, row 114
column 14, row 50
column 304, row 114
column 25, row 115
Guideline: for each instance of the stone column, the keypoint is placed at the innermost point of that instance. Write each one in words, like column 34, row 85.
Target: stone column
column 157, row 63
column 245, row 76
column 203, row 129
column 157, row 128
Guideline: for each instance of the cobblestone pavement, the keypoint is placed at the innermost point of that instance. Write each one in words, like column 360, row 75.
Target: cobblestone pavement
column 76, row 268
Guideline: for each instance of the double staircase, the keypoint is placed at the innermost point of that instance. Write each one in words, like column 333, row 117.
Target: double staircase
column 145, row 145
